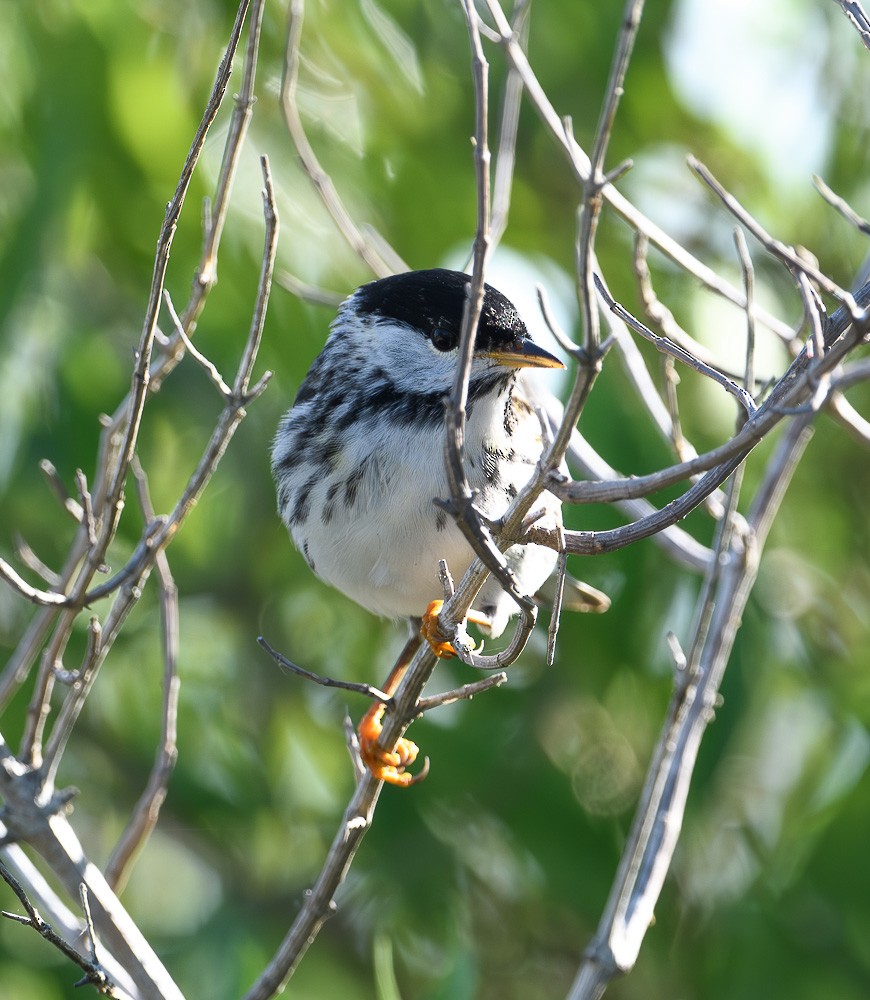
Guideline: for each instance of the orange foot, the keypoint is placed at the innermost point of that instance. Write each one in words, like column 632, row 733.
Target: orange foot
column 387, row 765
column 431, row 630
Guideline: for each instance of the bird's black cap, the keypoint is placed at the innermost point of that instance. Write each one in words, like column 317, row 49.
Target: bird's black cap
column 434, row 300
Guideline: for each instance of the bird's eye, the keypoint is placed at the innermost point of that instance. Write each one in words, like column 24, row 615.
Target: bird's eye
column 443, row 339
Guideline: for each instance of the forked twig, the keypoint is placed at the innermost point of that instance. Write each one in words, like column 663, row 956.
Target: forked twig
column 668, row 347
column 787, row 255
column 580, row 165
column 94, row 974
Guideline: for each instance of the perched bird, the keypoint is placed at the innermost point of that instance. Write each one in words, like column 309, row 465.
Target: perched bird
column 358, row 460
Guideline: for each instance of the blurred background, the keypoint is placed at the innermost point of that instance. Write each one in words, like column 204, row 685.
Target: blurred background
column 487, row 881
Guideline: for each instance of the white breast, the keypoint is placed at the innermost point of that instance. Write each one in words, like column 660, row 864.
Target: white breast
column 381, row 543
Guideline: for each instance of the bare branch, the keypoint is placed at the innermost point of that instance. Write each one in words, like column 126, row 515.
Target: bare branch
column 461, row 504
column 368, row 690
column 95, row 975
column 306, row 292
column 675, row 351
column 789, row 257
column 654, row 833
column 855, row 13
column 206, row 274
column 507, row 134
column 593, row 187
column 32, row 594
column 580, row 165
column 127, row 583
column 127, row 954
column 664, row 319
column 141, row 373
column 57, row 487
column 87, row 508
column 562, row 338
column 841, row 205
column 264, row 287
column 207, row 366
column 464, row 693
column 636, row 369
column 749, row 291
column 522, row 631
column 32, row 561
column 147, row 809
column 556, row 612
column 846, row 414
column 33, row 810
column 321, row 180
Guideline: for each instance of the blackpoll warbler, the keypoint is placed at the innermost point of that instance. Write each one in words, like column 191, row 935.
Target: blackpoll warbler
column 358, row 460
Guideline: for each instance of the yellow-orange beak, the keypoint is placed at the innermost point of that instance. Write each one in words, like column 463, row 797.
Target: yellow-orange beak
column 524, row 353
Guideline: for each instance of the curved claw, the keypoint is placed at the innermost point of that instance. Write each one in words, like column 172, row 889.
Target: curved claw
column 387, row 765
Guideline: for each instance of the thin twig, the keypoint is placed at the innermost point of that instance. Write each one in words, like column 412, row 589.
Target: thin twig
column 141, row 373
column 580, row 165
column 95, row 974
column 308, row 292
column 523, row 629
column 127, row 954
column 675, row 351
column 593, row 183
column 87, row 507
column 664, row 319
column 318, row 904
column 56, row 484
column 319, row 178
column 461, row 504
column 842, row 206
column 858, row 18
column 204, row 363
column 464, row 693
column 119, row 438
column 206, row 274
column 749, row 291
column 787, row 255
column 146, row 812
column 32, row 561
column 790, row 388
column 635, row 367
column 556, row 611
column 33, row 594
column 368, row 690
column 562, row 338
column 593, row 186
column 507, row 134
column 128, row 581
column 798, row 384
column 847, row 416
column 33, row 811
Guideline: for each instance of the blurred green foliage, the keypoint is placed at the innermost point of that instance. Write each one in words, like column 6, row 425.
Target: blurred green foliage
column 487, row 880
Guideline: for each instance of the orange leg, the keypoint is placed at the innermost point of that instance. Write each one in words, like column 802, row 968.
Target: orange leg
column 389, row 765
